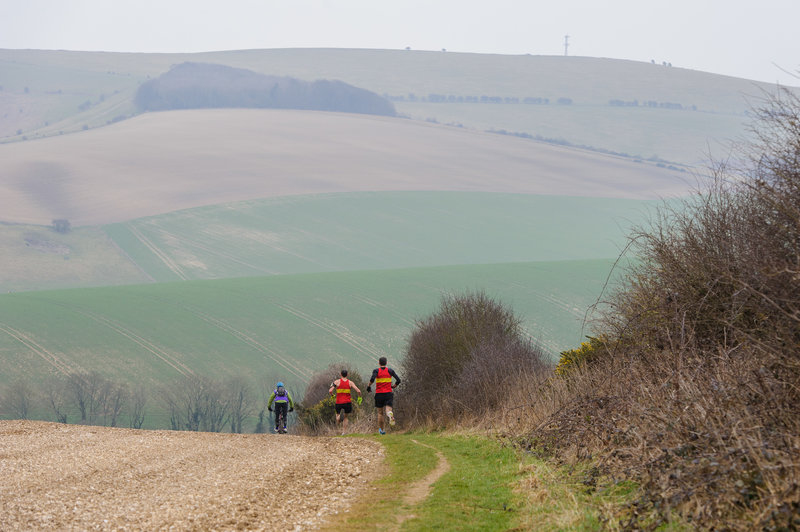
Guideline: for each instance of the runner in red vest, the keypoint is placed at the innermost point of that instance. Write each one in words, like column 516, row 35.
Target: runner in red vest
column 344, row 399
column 382, row 377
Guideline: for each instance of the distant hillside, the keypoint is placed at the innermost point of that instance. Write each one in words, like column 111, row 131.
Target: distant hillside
column 162, row 162
column 640, row 109
column 204, row 85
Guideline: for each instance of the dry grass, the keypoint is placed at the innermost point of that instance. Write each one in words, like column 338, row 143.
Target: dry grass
column 715, row 442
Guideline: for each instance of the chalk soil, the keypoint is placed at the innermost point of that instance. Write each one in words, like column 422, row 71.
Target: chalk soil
column 55, row 476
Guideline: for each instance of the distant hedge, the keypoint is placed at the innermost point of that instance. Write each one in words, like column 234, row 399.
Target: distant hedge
column 204, row 85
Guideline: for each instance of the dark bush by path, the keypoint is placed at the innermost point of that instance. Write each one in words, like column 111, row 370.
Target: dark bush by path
column 462, row 360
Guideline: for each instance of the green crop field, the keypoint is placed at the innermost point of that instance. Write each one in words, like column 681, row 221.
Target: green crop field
column 365, row 231
column 279, row 327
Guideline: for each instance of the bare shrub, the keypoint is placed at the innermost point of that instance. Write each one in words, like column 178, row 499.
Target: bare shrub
column 317, row 388
column 462, row 359
column 316, row 408
column 697, row 395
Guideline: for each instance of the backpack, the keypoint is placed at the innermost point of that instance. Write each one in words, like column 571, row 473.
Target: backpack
column 280, row 392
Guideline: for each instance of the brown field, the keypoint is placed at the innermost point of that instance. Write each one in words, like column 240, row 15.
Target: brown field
column 69, row 477
column 162, row 162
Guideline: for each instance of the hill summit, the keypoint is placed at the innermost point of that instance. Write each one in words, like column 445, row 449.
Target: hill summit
column 205, row 85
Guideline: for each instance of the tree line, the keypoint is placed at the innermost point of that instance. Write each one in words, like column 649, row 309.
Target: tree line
column 193, row 403
column 203, row 85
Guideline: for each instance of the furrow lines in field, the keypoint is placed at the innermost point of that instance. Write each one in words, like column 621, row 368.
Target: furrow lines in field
column 359, row 344
column 212, row 251
column 37, row 348
column 297, row 370
column 168, row 359
column 550, row 298
column 379, row 304
column 168, row 262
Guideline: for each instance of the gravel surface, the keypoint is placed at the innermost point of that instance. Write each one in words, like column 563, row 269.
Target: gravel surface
column 55, row 476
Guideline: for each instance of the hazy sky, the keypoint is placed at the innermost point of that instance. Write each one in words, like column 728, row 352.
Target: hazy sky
column 752, row 39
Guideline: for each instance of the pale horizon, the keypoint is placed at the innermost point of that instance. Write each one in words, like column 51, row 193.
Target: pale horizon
column 738, row 38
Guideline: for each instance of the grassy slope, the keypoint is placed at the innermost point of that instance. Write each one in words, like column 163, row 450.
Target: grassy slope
column 276, row 327
column 685, row 137
column 34, row 257
column 364, row 231
column 108, row 81
column 489, row 487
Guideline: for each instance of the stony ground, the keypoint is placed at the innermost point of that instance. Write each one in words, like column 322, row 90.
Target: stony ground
column 58, row 477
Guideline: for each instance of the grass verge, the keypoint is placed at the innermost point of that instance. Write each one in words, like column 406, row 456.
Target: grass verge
column 489, row 487
column 475, row 494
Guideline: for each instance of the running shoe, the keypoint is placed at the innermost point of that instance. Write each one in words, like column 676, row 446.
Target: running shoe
column 391, row 418
column 381, row 431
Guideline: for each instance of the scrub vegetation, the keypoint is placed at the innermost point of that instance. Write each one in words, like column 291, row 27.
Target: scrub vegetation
column 682, row 410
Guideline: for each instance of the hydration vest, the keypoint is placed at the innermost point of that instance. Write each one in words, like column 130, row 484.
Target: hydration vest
column 383, row 382
column 343, row 392
column 281, row 395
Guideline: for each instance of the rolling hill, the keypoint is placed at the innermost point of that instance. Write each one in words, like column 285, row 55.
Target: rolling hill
column 277, row 327
column 299, row 238
column 47, row 93
column 162, row 162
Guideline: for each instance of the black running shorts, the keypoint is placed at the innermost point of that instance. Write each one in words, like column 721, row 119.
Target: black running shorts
column 347, row 408
column 383, row 399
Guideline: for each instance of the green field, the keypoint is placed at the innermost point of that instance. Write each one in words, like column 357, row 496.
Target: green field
column 38, row 258
column 366, row 231
column 278, row 327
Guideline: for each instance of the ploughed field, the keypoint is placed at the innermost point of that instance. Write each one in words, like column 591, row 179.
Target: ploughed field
column 59, row 477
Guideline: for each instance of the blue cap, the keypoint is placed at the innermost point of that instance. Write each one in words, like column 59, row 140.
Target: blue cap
column 279, row 384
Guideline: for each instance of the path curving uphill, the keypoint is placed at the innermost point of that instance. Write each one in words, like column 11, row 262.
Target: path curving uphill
column 68, row 477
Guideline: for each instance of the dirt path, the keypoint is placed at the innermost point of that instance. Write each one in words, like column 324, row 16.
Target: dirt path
column 420, row 490
column 56, row 477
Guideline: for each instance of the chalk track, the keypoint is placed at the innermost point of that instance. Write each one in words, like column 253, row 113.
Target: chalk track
column 58, row 477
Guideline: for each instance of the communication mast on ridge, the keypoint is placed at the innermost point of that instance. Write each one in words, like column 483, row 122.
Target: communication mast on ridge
column 566, row 44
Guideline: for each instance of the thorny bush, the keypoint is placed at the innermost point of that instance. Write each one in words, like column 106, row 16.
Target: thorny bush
column 698, row 396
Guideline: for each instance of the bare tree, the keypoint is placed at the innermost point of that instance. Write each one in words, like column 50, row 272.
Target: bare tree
column 115, row 401
column 78, row 389
column 56, row 397
column 17, row 399
column 197, row 404
column 241, row 400
column 136, row 408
